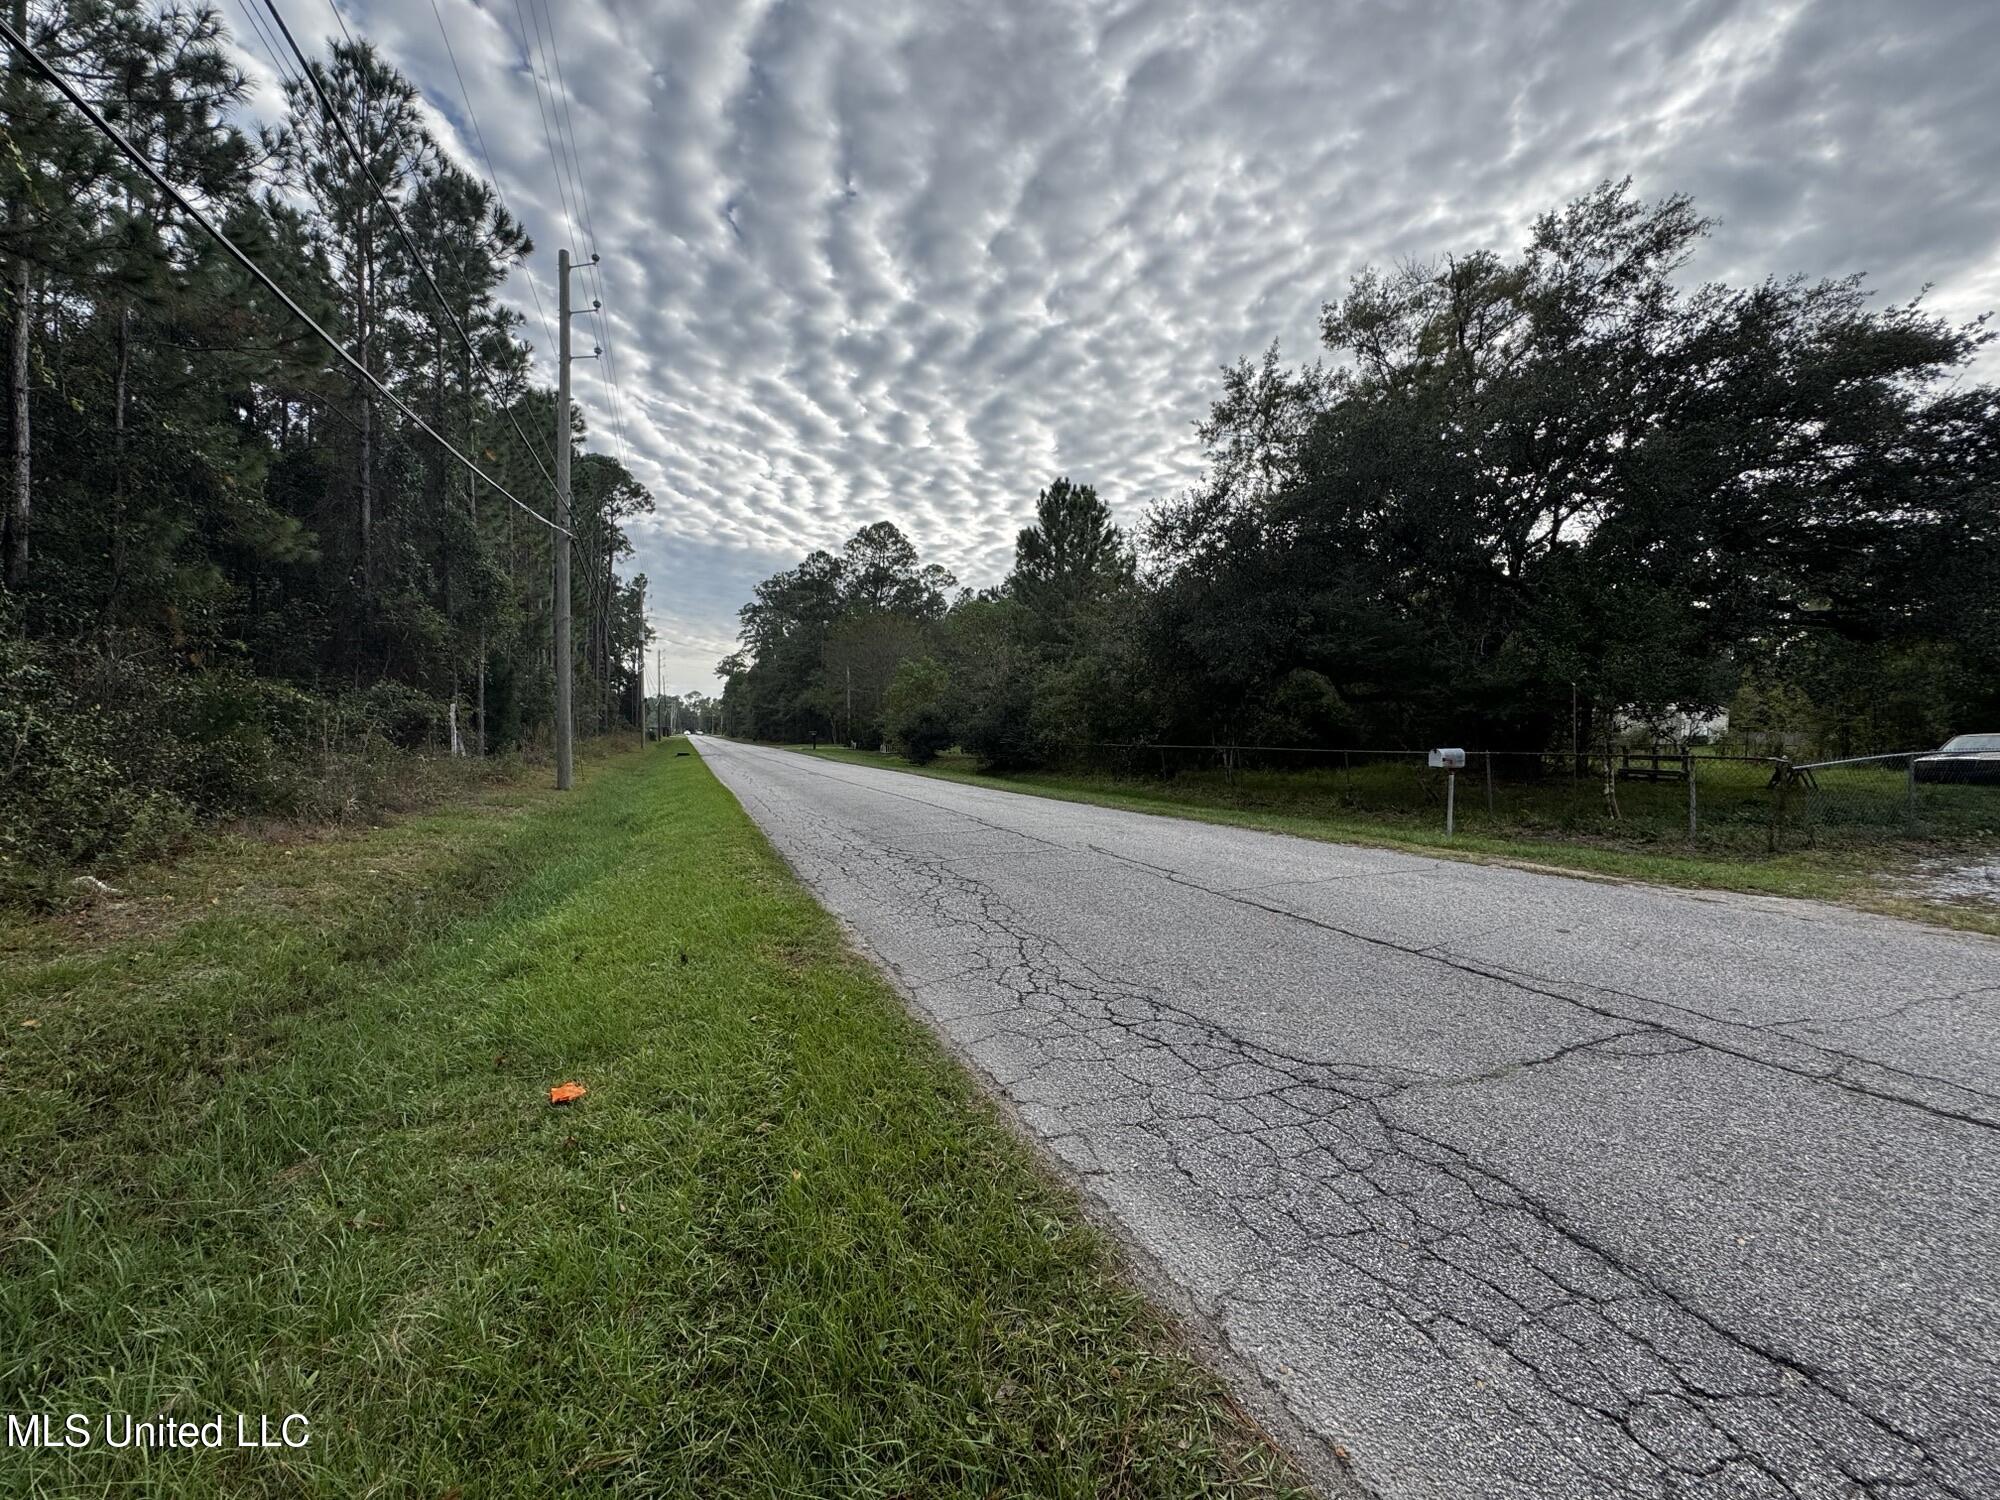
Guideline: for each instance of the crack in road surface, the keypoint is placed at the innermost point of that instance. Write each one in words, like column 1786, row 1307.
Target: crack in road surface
column 1507, row 1184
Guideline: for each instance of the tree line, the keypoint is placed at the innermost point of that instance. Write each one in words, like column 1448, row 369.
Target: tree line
column 220, row 549
column 1519, row 503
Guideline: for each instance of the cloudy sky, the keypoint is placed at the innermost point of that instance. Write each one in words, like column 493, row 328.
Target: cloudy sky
column 912, row 258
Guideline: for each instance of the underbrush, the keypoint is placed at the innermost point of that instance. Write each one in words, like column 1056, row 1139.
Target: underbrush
column 107, row 761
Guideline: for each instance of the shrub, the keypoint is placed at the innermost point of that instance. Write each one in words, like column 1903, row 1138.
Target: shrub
column 108, row 759
column 398, row 713
column 228, row 741
column 915, row 712
column 68, row 793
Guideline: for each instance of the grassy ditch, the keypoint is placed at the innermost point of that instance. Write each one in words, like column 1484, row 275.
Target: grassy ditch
column 277, row 1139
column 1394, row 806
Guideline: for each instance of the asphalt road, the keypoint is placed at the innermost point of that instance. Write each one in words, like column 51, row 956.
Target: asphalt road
column 1507, row 1184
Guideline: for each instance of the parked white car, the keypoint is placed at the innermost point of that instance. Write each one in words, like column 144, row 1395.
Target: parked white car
column 1962, row 758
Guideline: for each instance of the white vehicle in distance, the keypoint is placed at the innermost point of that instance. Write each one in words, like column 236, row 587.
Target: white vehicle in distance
column 1962, row 758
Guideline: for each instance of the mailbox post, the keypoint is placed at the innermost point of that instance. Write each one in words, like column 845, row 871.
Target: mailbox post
column 1451, row 762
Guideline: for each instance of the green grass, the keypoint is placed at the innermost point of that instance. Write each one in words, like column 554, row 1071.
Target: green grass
column 274, row 1137
column 1396, row 806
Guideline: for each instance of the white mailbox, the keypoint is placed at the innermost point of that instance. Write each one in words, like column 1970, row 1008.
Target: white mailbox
column 1448, row 760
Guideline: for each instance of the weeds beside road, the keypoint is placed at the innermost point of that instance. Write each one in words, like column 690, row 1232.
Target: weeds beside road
column 1395, row 810
column 277, row 1138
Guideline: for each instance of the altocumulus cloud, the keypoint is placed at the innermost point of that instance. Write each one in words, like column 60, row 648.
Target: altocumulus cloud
column 912, row 258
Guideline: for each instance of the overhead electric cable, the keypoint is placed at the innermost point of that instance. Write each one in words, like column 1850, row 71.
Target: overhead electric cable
column 565, row 129
column 187, row 206
column 530, row 49
column 544, row 60
column 580, row 182
column 249, row 9
column 530, row 53
column 492, row 173
column 535, row 57
column 340, row 20
column 403, row 230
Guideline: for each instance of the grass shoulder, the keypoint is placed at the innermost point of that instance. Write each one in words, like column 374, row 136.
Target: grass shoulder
column 281, row 1142
column 1861, row 876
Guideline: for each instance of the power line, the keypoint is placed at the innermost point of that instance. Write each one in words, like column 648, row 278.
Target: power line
column 582, row 185
column 340, row 20
column 569, row 187
column 566, row 130
column 492, row 173
column 271, row 46
column 529, row 51
column 402, row 229
column 249, row 9
column 277, row 56
column 539, row 50
column 187, row 206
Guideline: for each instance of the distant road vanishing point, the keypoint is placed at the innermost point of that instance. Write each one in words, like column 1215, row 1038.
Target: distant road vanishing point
column 1499, row 1183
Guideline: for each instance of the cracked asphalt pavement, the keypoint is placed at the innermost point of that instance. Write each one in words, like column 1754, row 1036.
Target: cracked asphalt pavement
column 1506, row 1184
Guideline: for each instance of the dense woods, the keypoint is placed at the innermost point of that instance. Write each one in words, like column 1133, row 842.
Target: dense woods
column 1515, row 494
column 236, row 580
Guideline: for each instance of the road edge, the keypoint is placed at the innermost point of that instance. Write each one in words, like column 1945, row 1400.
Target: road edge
column 1803, row 907
column 1320, row 1460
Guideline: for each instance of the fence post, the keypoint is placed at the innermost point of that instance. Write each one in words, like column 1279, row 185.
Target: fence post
column 1782, row 774
column 1687, row 760
column 1489, row 786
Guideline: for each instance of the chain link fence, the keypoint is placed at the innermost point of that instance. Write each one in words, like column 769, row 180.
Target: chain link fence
column 1913, row 794
column 1724, row 802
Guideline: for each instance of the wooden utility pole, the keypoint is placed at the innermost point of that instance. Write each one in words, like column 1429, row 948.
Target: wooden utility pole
column 565, row 707
column 472, row 480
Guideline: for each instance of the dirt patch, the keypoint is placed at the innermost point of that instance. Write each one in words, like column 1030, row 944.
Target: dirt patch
column 1957, row 881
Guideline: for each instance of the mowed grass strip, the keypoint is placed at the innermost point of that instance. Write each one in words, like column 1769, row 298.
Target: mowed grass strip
column 1315, row 804
column 295, row 1154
